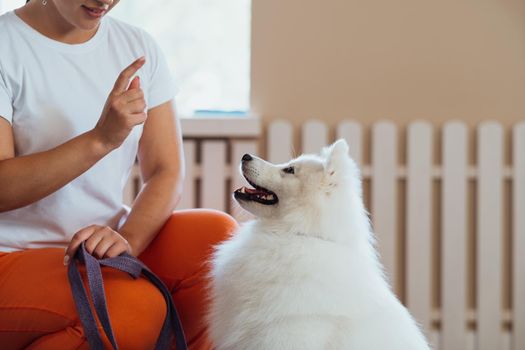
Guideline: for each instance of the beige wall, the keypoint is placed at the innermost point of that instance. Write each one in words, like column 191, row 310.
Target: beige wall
column 375, row 59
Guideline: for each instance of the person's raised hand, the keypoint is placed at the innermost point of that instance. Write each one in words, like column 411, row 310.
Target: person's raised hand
column 124, row 108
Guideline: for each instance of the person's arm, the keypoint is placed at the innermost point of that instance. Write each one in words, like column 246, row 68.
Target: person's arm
column 27, row 179
column 162, row 167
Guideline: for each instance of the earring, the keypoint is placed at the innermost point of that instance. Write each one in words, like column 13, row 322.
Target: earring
column 44, row 2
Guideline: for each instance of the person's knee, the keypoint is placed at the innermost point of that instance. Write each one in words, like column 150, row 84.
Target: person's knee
column 220, row 224
column 137, row 311
column 214, row 225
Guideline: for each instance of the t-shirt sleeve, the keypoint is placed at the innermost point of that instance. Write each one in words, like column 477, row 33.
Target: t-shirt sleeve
column 6, row 103
column 162, row 87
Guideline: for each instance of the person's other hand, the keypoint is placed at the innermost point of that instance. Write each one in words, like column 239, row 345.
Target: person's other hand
column 124, row 108
column 101, row 242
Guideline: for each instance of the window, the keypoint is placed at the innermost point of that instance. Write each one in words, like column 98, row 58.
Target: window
column 206, row 43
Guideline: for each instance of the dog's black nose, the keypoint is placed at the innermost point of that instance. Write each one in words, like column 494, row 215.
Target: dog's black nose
column 246, row 157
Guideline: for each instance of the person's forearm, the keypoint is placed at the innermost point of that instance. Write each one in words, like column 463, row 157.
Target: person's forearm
column 151, row 209
column 27, row 179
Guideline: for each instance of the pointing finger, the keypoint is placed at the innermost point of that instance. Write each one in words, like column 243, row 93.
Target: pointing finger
column 123, row 79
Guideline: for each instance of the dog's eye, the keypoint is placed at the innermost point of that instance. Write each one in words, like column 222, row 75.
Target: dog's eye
column 289, row 170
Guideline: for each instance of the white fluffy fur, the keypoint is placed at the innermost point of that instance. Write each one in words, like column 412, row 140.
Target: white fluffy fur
column 305, row 274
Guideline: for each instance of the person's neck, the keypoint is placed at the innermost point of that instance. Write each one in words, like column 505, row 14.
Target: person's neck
column 47, row 21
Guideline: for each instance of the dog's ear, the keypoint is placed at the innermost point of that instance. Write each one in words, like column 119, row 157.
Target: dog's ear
column 339, row 147
column 335, row 153
column 335, row 157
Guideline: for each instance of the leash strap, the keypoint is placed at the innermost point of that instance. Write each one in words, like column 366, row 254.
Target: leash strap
column 135, row 268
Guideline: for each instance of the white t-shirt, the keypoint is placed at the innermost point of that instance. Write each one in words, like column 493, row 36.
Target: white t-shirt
column 51, row 92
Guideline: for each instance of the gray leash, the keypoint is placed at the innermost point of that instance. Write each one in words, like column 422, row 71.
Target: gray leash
column 133, row 266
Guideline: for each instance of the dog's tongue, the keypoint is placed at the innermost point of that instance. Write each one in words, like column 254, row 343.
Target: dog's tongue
column 254, row 191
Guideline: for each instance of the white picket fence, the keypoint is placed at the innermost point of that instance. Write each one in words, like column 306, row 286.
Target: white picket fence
column 451, row 231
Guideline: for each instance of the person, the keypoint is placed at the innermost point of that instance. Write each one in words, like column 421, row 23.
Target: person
column 82, row 96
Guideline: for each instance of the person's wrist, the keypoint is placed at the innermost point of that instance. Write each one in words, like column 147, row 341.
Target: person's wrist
column 99, row 143
column 133, row 245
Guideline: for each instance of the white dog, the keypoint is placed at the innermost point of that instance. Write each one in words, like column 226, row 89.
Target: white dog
column 305, row 274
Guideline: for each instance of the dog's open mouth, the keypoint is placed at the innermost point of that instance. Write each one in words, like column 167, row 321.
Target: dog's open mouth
column 257, row 194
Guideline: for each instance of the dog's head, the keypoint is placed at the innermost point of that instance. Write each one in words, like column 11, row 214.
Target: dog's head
column 303, row 185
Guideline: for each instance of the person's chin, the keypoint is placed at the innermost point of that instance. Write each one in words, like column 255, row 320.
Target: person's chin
column 87, row 24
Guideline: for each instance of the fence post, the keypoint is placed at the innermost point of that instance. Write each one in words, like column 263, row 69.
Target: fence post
column 454, row 230
column 384, row 196
column 489, row 236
